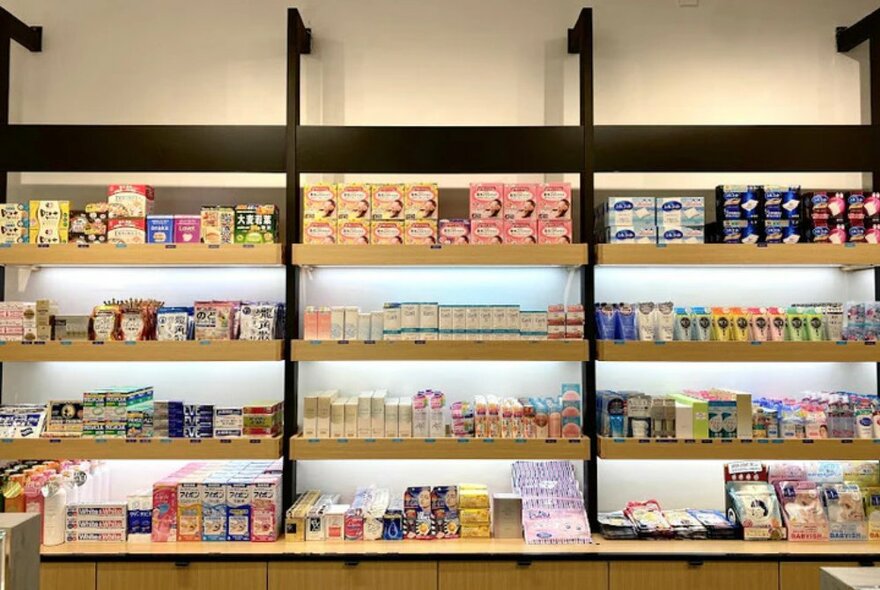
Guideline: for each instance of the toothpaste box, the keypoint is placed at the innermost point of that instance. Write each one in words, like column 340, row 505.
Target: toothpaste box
column 421, row 201
column 49, row 222
column 680, row 235
column 238, row 509
column 487, row 231
column 521, row 232
column 160, row 229
column 319, row 202
column 631, row 235
column 681, row 211
column 554, row 201
column 420, row 232
column 14, row 223
column 387, row 202
column 353, row 232
column 132, row 200
column 354, row 202
column 386, row 232
column 487, row 200
column 319, row 231
column 187, row 229
column 214, row 516
column 557, row 231
column 629, row 211
column 520, row 202
column 454, row 231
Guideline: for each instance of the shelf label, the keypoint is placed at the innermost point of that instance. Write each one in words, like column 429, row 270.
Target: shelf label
column 253, row 441
column 849, row 245
column 707, row 441
column 841, row 343
column 130, row 342
column 666, row 441
column 644, row 441
column 619, row 342
column 661, row 245
column 436, row 247
column 100, row 441
column 82, row 246
column 342, row 342
column 690, row 441
column 463, row 441
column 762, row 441
column 248, row 246
column 807, row 441
column 488, row 440
column 659, row 343
column 846, row 441
column 165, row 441
column 397, row 440
column 430, row 440
column 870, row 343
column 2, row 343
column 778, row 441
column 39, row 343
column 369, row 440
column 756, row 343
column 520, row 441
column 549, row 441
column 764, row 245
column 226, row 441
column 65, row 342
column 53, row 441
column 369, row 342
column 97, row 343
column 213, row 246
column 170, row 246
column 313, row 441
column 341, row 441
column 195, row 441
column 120, row 245
column 727, row 441
column 43, row 246
column 7, row 440
column 5, row 245
column 131, row 441
column 418, row 342
column 204, row 343
column 618, row 440
column 745, row 441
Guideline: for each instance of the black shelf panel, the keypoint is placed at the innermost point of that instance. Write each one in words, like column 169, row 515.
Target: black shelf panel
column 439, row 149
column 142, row 148
column 734, row 148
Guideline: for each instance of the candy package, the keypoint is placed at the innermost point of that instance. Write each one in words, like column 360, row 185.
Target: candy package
column 845, row 510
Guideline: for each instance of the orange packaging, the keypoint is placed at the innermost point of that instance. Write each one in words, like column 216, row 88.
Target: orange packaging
column 353, row 232
column 354, row 201
column 319, row 231
column 421, row 201
column 420, row 232
column 386, row 232
column 387, row 202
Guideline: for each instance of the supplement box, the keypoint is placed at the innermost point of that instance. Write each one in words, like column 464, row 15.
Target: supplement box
column 160, row 229
column 187, row 229
column 354, row 202
column 217, row 224
column 49, row 222
column 256, row 224
column 486, row 201
column 127, row 230
column 556, row 231
column 421, row 201
column 520, row 202
column 422, row 232
column 386, row 232
column 354, row 231
column 554, row 201
column 319, row 202
column 386, row 202
column 487, row 231
column 454, row 231
column 319, row 231
column 132, row 200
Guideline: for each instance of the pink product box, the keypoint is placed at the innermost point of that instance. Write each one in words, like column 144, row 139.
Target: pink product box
column 520, row 202
column 487, row 200
column 187, row 229
column 164, row 526
column 554, row 200
column 487, row 231
column 455, row 231
column 266, row 509
column 557, row 231
column 520, row 232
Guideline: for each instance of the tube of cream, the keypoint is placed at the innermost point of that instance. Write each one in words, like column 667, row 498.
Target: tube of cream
column 683, row 324
column 759, row 323
column 625, row 324
column 645, row 321
column 665, row 321
column 702, row 322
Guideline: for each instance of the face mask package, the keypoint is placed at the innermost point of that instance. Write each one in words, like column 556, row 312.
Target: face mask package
column 846, row 511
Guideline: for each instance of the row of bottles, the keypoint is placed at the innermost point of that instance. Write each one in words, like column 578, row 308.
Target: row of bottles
column 46, row 487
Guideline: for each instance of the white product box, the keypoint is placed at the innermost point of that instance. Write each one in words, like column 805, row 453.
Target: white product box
column 511, row 322
column 420, row 420
column 364, row 416
column 334, row 522
column 363, row 326
column 350, row 329
column 472, row 323
column 409, row 321
column 404, row 418
column 337, row 418
column 533, row 325
column 445, row 325
column 391, row 321
column 377, row 325
column 325, row 401
column 391, row 411
column 428, row 321
column 351, row 417
column 337, row 323
column 630, row 234
column 377, row 413
column 310, row 415
column 634, row 211
column 680, row 234
column 486, row 323
column 459, row 323
column 674, row 211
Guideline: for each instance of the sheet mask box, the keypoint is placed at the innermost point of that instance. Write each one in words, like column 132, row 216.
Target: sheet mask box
column 391, row 422
column 639, row 212
column 255, row 224
column 454, row 231
column 325, row 401
column 217, row 224
column 387, row 232
column 364, row 414
column 420, row 232
column 49, row 222
column 319, row 231
column 429, row 321
column 554, row 201
column 486, row 201
column 387, row 202
column 421, row 201
column 680, row 235
column 187, row 229
column 14, row 221
column 127, row 230
column 409, row 321
column 377, row 325
column 377, row 413
column 310, row 415
column 160, row 229
column 350, row 323
column 630, row 235
column 554, row 231
column 507, row 516
column 520, row 232
column 354, row 202
column 319, row 202
column 520, row 202
column 678, row 211
column 353, row 232
column 391, row 321
column 363, row 326
column 487, row 231
column 337, row 418
column 350, row 428
column 133, row 200
column 405, row 418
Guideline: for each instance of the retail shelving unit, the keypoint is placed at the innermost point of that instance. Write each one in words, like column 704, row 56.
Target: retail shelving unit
column 141, row 448
column 501, row 255
column 732, row 449
column 722, row 352
column 149, row 351
column 140, row 255
column 439, row 350
column 847, row 256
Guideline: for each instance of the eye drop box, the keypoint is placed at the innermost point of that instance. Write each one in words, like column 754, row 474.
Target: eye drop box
column 354, row 201
column 428, row 321
column 189, row 510
column 391, row 321
column 350, row 323
column 636, row 212
column 133, row 200
column 364, row 414
column 295, row 521
column 319, row 202
column 377, row 413
column 486, row 201
column 314, row 522
column 351, row 417
column 214, row 510
column 337, row 418
column 391, row 421
column 405, row 418
column 678, row 211
column 325, row 402
column 487, row 231
column 409, row 321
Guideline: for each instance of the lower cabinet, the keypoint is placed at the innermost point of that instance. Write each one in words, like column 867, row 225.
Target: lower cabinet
column 132, row 575
column 352, row 575
column 67, row 576
column 805, row 575
column 694, row 575
column 524, row 575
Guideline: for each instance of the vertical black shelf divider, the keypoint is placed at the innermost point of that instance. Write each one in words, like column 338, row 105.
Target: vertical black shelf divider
column 298, row 44
column 11, row 29
column 580, row 41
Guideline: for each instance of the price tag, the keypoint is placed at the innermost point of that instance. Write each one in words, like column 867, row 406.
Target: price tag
column 121, row 245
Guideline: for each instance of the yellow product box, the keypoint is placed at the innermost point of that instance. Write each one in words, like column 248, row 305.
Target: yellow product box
column 422, row 232
column 49, row 222
column 218, row 224
column 473, row 498
column 421, row 201
column 354, row 201
column 386, row 202
column 353, row 231
column 319, row 202
column 294, row 520
column 319, row 231
column 474, row 515
column 474, row 531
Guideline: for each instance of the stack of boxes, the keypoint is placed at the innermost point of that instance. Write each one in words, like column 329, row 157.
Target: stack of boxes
column 129, row 205
column 514, row 214
column 565, row 322
column 476, row 520
column 14, row 223
column 22, row 321
column 96, row 521
column 140, row 515
column 752, row 214
column 263, row 418
column 650, row 220
column 49, row 222
column 118, row 412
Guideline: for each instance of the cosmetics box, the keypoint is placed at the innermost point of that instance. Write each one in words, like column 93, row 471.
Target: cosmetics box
column 669, row 234
column 520, row 202
column 350, row 323
column 387, row 232
column 217, row 224
column 678, row 211
column 405, row 418
column 325, row 401
column 319, row 231
column 637, row 212
column 486, row 201
column 377, row 325
column 630, row 235
column 377, row 413
column 454, row 231
column 310, row 415
column 507, row 516
column 554, row 201
column 409, row 321
column 391, row 321
column 421, row 201
column 337, row 418
column 391, row 417
column 365, row 414
column 428, row 321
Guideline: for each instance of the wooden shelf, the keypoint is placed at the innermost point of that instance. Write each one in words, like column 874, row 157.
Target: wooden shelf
column 440, row 350
column 727, row 449
column 191, row 350
column 842, row 255
column 141, row 255
column 381, row 255
column 140, row 448
column 718, row 352
column 303, row 449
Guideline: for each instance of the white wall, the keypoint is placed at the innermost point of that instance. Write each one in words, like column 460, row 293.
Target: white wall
column 410, row 62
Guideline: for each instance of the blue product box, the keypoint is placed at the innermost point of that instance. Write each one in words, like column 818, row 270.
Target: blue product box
column 160, row 229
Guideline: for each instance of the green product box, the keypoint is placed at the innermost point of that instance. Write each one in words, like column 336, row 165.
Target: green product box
column 256, row 224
